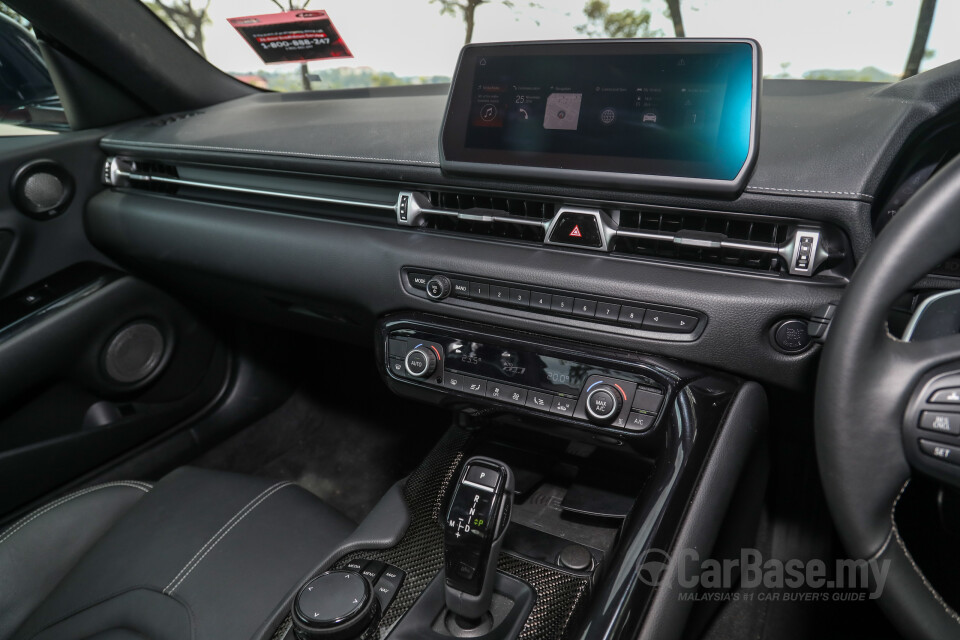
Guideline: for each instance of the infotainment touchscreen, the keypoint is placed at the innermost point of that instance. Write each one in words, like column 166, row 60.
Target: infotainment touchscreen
column 673, row 114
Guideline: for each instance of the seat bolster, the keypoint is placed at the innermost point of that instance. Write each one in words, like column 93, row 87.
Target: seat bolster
column 60, row 533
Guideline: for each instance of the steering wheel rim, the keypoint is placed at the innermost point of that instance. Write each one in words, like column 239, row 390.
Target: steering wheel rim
column 865, row 381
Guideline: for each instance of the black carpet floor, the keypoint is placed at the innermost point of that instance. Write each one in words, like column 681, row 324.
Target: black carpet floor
column 346, row 442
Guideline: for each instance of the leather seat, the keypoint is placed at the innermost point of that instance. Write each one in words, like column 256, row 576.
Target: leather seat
column 202, row 555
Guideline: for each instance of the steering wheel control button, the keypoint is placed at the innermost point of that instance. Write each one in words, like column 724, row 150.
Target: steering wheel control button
column 941, row 451
column 639, row 422
column 791, row 336
column 439, row 287
column 648, row 401
column 418, row 280
column 946, row 396
column 948, row 423
column 482, row 476
column 420, row 362
column 335, row 605
column 603, row 403
column 631, row 316
column 667, row 322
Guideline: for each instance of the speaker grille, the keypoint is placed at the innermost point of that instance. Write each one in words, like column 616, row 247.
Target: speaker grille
column 43, row 190
column 134, row 353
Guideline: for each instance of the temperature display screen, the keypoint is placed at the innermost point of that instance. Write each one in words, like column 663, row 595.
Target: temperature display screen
column 670, row 109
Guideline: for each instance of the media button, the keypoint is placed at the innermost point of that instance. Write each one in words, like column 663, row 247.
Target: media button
column 607, row 311
column 519, row 297
column 499, row 294
column 562, row 304
column 479, row 291
column 418, row 280
column 632, row 316
column 540, row 301
column 461, row 288
column 584, row 308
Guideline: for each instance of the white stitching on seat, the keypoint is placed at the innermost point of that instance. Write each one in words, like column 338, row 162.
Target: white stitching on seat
column 20, row 524
column 896, row 533
column 833, row 193
column 303, row 154
column 220, row 535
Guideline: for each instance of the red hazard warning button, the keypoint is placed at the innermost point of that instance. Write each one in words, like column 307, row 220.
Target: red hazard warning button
column 576, row 229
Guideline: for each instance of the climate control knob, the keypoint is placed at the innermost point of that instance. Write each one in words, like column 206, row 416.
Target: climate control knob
column 438, row 287
column 604, row 402
column 420, row 362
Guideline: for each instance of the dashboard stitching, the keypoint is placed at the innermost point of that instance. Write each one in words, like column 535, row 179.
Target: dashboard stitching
column 305, row 154
column 836, row 193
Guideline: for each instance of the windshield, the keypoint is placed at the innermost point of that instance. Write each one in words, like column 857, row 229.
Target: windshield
column 365, row 43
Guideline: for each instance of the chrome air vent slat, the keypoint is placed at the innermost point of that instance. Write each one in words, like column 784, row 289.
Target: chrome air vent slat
column 737, row 241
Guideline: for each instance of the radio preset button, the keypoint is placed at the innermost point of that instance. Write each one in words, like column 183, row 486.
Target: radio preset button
column 562, row 304
column 632, row 316
column 584, row 308
column 479, row 291
column 519, row 297
column 607, row 311
column 540, row 301
column 499, row 294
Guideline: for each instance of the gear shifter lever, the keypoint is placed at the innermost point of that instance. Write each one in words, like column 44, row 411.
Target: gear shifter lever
column 473, row 533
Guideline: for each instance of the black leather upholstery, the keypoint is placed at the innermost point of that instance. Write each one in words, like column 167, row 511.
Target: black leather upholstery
column 203, row 555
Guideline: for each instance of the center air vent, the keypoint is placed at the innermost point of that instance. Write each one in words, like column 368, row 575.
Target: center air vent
column 499, row 217
column 698, row 237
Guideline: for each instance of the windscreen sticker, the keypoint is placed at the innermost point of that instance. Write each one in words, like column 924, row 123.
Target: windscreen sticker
column 292, row 36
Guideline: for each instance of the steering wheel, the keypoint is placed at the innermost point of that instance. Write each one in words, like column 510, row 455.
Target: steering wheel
column 871, row 391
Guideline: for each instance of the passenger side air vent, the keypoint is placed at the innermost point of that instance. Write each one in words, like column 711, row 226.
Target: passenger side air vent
column 177, row 117
column 510, row 218
column 698, row 237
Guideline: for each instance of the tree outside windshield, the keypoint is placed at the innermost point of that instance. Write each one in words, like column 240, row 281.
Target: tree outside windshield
column 403, row 42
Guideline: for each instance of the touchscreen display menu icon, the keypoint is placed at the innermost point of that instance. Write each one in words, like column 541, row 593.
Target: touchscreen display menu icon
column 562, row 111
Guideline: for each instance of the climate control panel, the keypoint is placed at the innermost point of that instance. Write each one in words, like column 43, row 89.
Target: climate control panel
column 527, row 377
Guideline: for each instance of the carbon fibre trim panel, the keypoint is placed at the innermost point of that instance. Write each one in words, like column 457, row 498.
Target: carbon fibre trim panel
column 420, row 554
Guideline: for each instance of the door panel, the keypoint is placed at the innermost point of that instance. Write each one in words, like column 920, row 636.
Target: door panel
column 93, row 361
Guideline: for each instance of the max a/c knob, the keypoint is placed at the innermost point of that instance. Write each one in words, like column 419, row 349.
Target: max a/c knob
column 438, row 287
column 604, row 402
column 420, row 362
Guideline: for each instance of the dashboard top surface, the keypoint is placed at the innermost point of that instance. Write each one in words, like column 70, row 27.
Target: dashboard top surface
column 818, row 139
